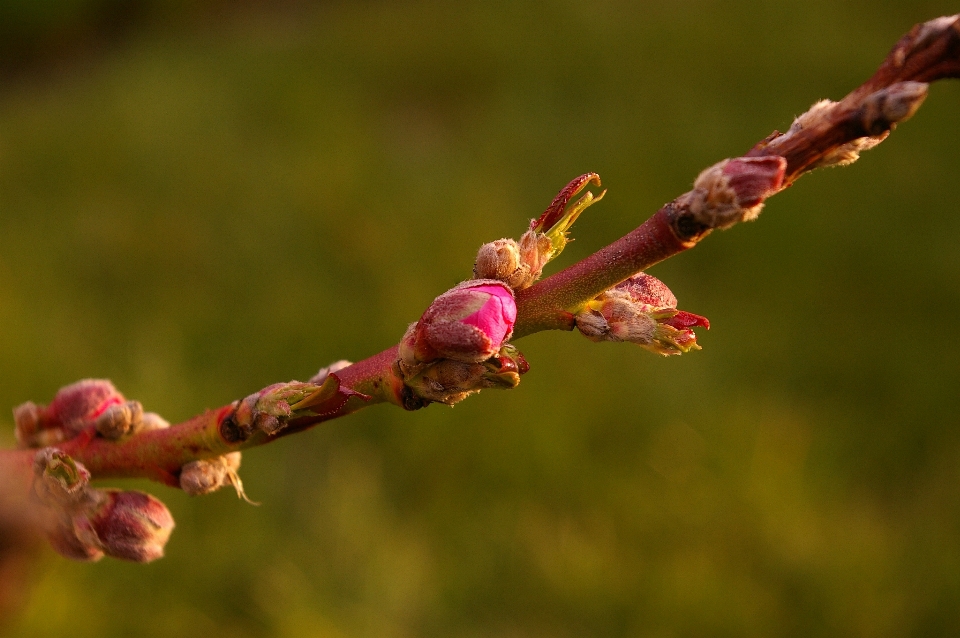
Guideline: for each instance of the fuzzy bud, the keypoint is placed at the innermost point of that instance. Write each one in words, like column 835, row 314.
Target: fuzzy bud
column 59, row 480
column 74, row 408
column 209, row 475
column 468, row 323
column 497, row 260
column 120, row 420
column 641, row 310
column 887, row 107
column 129, row 525
column 733, row 190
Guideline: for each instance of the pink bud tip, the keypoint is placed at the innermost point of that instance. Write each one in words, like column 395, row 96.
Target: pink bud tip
column 684, row 319
column 82, row 401
column 649, row 290
column 754, row 179
column 468, row 323
column 497, row 315
column 133, row 526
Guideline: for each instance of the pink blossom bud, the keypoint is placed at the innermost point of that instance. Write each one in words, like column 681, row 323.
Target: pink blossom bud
column 733, row 190
column 74, row 408
column 468, row 323
column 753, row 179
column 649, row 290
column 641, row 310
column 129, row 525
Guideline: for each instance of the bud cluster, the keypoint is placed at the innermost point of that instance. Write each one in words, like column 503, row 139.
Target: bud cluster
column 641, row 310
column 459, row 345
column 520, row 264
column 449, row 381
column 88, row 523
column 90, row 403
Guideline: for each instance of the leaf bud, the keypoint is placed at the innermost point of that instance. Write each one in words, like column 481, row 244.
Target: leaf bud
column 120, row 420
column 58, row 479
column 209, row 475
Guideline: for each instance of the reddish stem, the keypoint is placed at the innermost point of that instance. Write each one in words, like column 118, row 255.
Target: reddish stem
column 930, row 51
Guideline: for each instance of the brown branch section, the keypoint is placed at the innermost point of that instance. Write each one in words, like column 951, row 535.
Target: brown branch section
column 829, row 134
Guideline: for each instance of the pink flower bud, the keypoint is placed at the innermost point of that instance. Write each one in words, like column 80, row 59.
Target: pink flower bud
column 75, row 406
column 468, row 323
column 733, row 190
column 641, row 310
column 753, row 179
column 130, row 525
column 648, row 290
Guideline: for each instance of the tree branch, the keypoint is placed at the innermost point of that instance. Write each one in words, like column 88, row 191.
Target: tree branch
column 829, row 134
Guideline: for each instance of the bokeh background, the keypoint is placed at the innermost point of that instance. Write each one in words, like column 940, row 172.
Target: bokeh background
column 198, row 199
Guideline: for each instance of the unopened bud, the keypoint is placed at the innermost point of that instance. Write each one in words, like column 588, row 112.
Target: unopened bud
column 887, row 107
column 120, row 420
column 26, row 417
column 75, row 406
column 59, row 480
column 270, row 409
column 468, row 323
column 73, row 539
column 500, row 260
column 130, row 525
column 733, row 190
column 209, row 475
column 641, row 310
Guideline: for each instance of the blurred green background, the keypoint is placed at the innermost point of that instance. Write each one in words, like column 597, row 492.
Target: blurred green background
column 198, row 199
